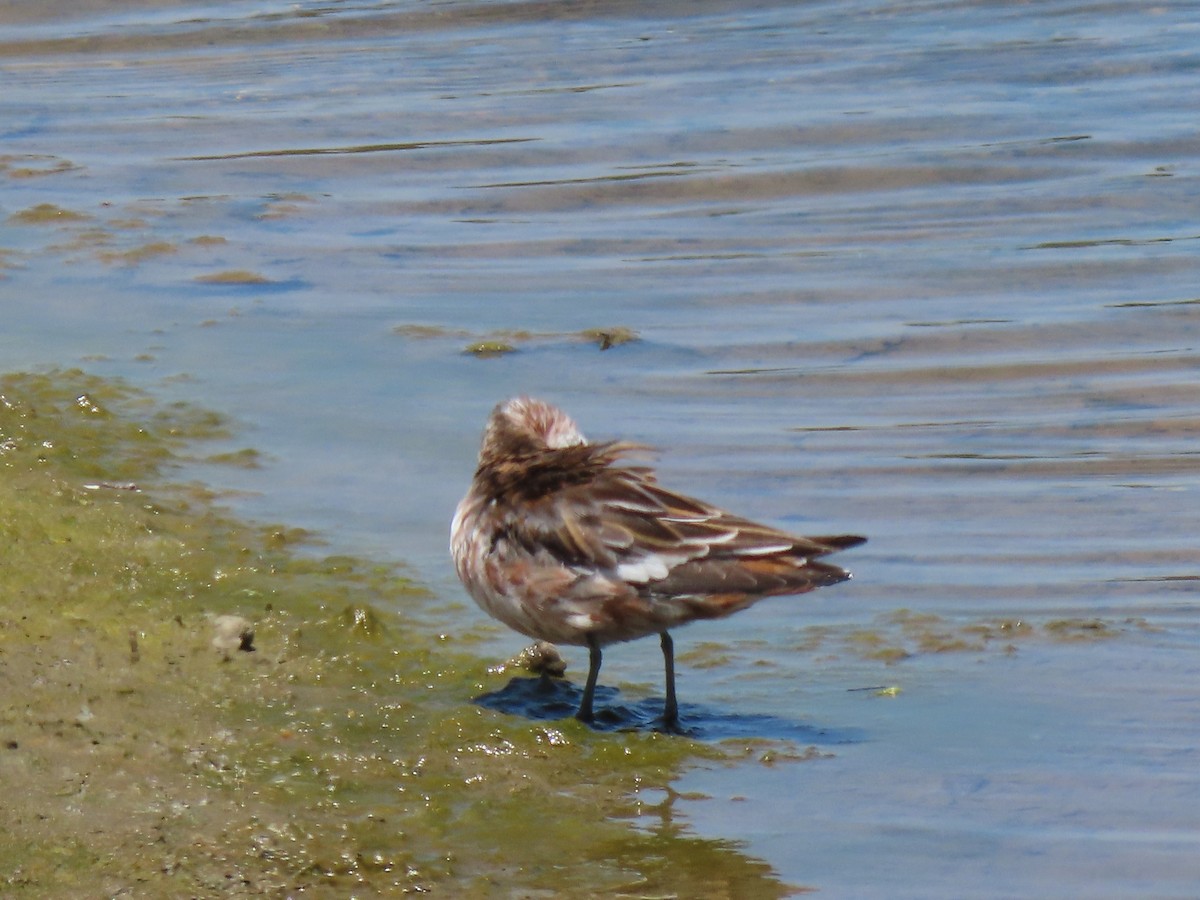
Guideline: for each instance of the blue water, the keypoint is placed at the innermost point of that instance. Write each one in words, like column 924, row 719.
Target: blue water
column 925, row 272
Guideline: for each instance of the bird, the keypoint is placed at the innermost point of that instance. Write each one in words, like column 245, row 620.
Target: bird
column 573, row 542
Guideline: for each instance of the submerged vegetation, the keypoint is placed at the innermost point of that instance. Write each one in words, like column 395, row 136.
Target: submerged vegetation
column 504, row 341
column 163, row 750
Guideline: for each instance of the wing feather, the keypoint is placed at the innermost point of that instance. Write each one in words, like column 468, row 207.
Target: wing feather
column 621, row 523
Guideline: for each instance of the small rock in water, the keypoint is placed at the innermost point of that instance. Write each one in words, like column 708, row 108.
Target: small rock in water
column 232, row 633
column 541, row 658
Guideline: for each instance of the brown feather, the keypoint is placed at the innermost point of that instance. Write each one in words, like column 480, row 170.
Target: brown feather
column 566, row 541
column 543, row 494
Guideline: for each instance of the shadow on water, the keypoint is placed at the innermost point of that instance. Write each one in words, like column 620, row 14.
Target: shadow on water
column 545, row 698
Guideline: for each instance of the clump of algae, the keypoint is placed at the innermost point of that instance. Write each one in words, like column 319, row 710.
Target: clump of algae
column 341, row 757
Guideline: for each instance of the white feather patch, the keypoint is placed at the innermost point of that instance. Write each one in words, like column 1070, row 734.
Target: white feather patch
column 648, row 568
column 581, row 621
column 764, row 550
column 633, row 505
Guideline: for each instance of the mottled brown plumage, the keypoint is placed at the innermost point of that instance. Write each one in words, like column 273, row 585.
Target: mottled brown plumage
column 566, row 541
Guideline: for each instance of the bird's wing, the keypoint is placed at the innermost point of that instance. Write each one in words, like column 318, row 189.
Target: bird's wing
column 622, row 524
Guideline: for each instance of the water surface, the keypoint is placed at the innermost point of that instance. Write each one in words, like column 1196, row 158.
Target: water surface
column 924, row 271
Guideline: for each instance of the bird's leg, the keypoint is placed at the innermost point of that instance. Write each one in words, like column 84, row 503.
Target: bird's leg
column 670, row 707
column 589, row 689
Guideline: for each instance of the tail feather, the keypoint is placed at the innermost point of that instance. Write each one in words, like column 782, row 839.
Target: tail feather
column 839, row 541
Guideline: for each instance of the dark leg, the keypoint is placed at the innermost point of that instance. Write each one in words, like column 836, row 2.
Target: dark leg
column 589, row 690
column 670, row 708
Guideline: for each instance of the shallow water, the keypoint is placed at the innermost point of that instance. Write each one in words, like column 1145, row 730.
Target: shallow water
column 925, row 272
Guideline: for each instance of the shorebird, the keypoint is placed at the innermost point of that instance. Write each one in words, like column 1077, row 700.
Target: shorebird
column 565, row 541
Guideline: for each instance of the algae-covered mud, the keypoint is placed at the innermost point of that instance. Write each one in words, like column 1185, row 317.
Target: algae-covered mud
column 150, row 746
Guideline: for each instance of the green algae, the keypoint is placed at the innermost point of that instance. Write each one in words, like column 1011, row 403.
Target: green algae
column 285, row 206
column 341, row 756
column 46, row 214
column 1080, row 629
column 34, row 165
column 606, row 338
column 427, row 332
column 509, row 340
column 6, row 260
column 486, row 349
column 246, row 458
column 905, row 634
column 141, row 253
column 233, row 276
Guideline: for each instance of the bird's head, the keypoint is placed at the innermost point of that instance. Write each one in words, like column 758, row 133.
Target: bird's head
column 523, row 426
